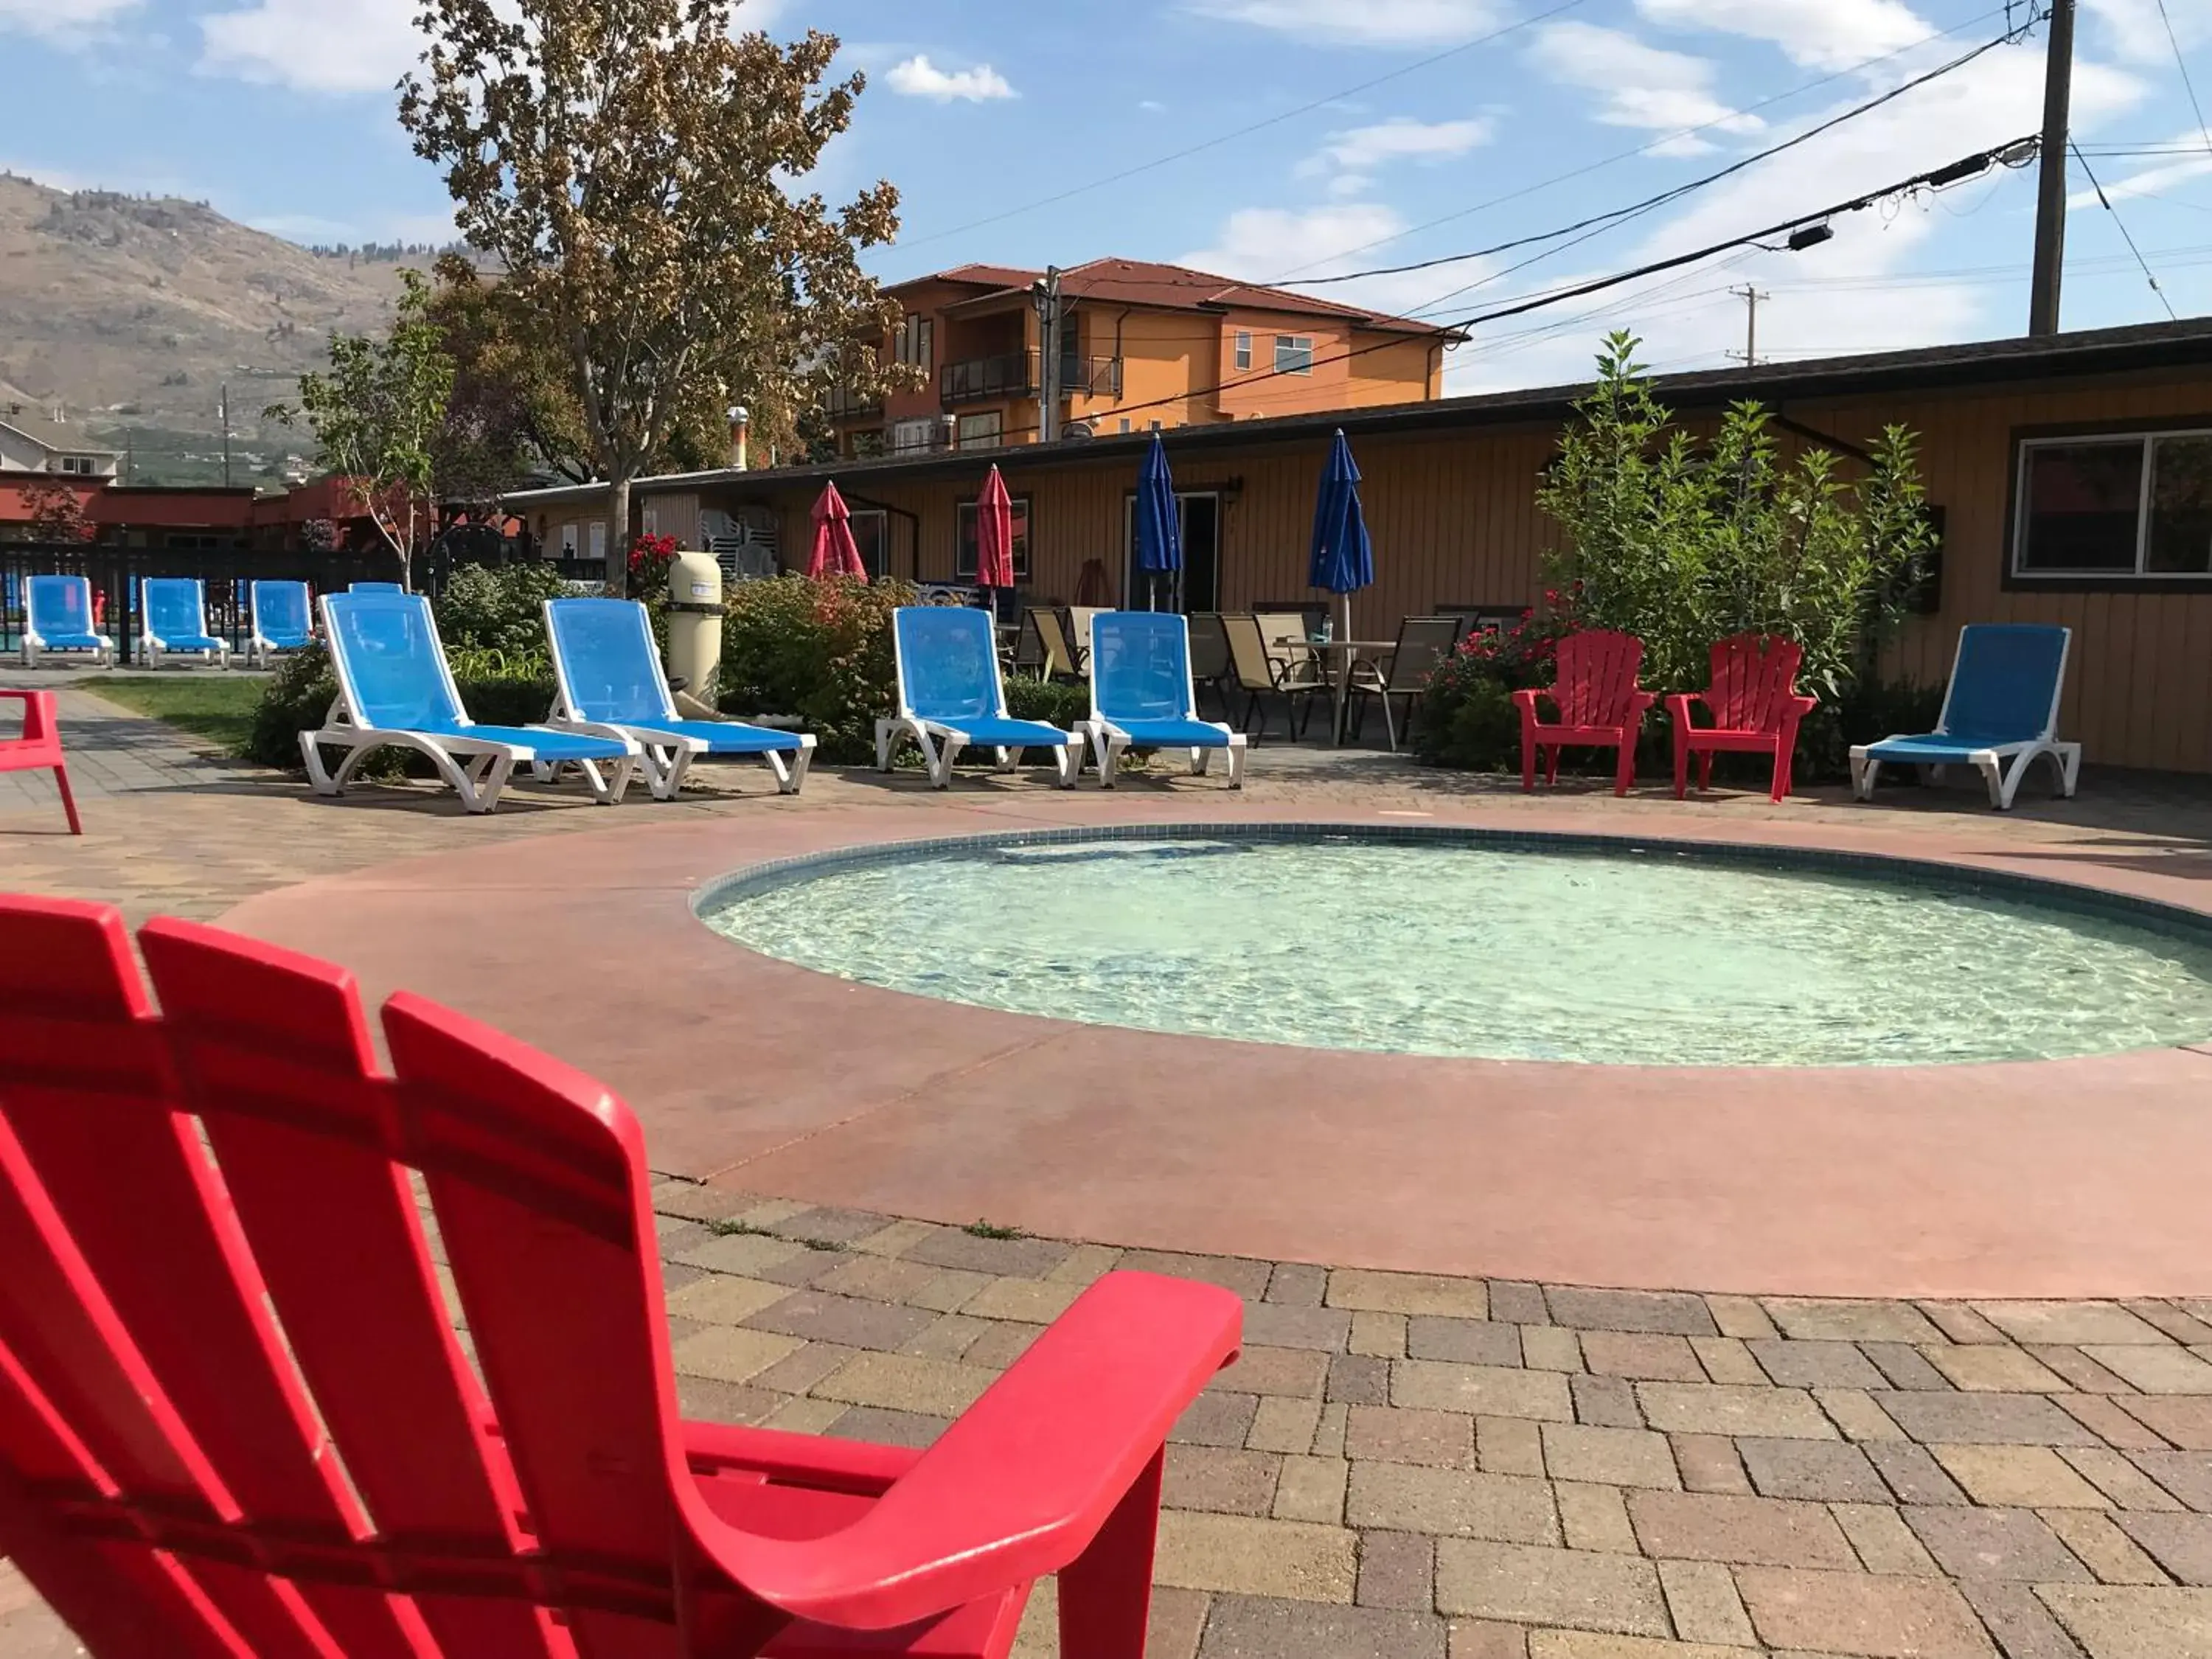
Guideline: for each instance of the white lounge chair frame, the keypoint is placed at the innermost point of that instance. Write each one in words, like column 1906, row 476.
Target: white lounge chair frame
column 2004, row 781
column 477, row 768
column 103, row 654
column 260, row 651
column 1108, row 742
column 940, row 756
column 152, row 648
column 665, row 757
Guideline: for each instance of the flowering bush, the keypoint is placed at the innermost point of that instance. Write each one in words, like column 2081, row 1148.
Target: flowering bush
column 1467, row 718
column 649, row 559
column 821, row 650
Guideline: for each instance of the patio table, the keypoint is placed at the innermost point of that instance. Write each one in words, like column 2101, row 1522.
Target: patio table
column 1338, row 658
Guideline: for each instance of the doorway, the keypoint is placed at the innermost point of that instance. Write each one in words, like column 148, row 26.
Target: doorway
column 1200, row 514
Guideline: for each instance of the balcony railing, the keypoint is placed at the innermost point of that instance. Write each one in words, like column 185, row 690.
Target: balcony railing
column 1014, row 375
column 846, row 405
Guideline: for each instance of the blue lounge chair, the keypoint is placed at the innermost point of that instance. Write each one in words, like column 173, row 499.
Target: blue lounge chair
column 395, row 690
column 376, row 587
column 609, row 678
column 283, row 620
column 57, row 617
column 950, row 696
column 172, row 622
column 1141, row 695
column 2000, row 712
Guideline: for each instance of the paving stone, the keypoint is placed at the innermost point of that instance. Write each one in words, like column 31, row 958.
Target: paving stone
column 1606, row 1401
column 1551, row 1348
column 1483, row 1639
column 1991, row 1419
column 1086, row 1265
column 1994, row 1543
column 1740, row 1316
column 881, row 1278
column 2113, row 1422
column 1001, row 1344
column 2176, row 1322
column 1297, row 1284
column 1488, row 1390
column 1215, row 1478
column 1517, row 1303
column 1405, row 1498
column 1509, row 1445
column 707, row 1399
column 1587, row 1644
column 2110, row 1554
column 2071, row 1322
column 1026, row 1299
column 1439, row 1439
column 2126, row 1622
column 1958, row 1321
column 2033, row 1477
column 1311, row 1489
column 1988, row 1369
column 907, row 1382
column 850, row 1321
column 1292, row 1373
column 1216, row 1419
column 730, row 1355
column 1579, row 1589
column 1593, row 1517
column 802, row 1370
column 1279, row 1325
column 1020, row 1258
column 1617, row 1457
column 1382, row 1334
column 1464, row 1341
column 1819, row 1470
column 1642, row 1356
column 1238, row 1556
column 1702, row 1597
column 1713, row 1526
column 1727, row 1360
column 2023, row 1626
column 747, row 1254
column 692, row 1201
column 832, row 1226
column 2079, row 1369
column 2187, row 1475
column 2181, row 1543
column 1329, row 1436
column 1358, row 1379
column 809, row 1267
column 1718, row 1408
column 1247, row 1278
column 1669, row 1311
column 1242, row 1627
column 1815, row 1364
column 1822, row 1320
column 2120, row 1481
column 1853, row 1411
column 723, row 1299
column 1860, row 1613
column 2164, row 1370
column 1284, row 1425
column 1884, row 1544
column 949, row 1336
column 948, row 1291
column 1407, row 1293
column 807, row 1415
column 887, row 1427
column 1177, row 1619
column 1709, row 1462
column 1905, row 1366
column 1397, row 1570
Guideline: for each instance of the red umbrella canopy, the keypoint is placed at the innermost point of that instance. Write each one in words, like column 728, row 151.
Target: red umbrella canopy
column 835, row 553
column 994, row 534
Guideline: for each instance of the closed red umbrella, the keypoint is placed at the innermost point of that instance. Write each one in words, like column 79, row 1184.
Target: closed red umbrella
column 994, row 534
column 835, row 553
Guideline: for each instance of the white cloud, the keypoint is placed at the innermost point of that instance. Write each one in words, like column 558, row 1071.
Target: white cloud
column 1819, row 33
column 2134, row 29
column 1270, row 244
column 1362, row 23
column 917, row 77
column 2152, row 180
column 1642, row 86
column 315, row 46
column 62, row 22
column 1401, row 138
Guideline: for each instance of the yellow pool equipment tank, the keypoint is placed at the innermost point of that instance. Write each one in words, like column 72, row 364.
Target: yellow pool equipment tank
column 695, row 622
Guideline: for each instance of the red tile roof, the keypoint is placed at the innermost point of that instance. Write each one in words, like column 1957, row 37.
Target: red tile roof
column 1169, row 288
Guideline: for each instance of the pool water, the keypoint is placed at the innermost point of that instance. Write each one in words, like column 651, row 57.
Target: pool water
column 1657, row 957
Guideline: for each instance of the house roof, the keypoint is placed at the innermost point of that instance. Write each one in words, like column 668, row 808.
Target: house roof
column 1159, row 287
column 54, row 437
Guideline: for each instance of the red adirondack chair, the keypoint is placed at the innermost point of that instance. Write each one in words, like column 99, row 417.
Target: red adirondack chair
column 1599, row 704
column 40, row 748
column 1755, row 707
column 182, row 1474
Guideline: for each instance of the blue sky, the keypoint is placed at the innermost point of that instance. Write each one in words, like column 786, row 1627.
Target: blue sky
column 1397, row 136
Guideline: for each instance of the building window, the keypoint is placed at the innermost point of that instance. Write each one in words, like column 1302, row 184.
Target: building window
column 917, row 342
column 913, row 434
column 1294, row 354
column 1125, row 423
column 982, row 431
column 649, row 519
column 567, row 541
column 1244, row 349
column 871, row 535
column 963, row 557
column 1156, row 425
column 2123, row 507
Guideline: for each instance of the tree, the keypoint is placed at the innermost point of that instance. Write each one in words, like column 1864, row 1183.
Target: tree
column 56, row 512
column 378, row 416
column 635, row 167
column 513, row 410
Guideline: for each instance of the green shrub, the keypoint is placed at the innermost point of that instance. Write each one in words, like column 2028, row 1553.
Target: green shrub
column 1468, row 718
column 821, row 650
column 493, row 621
column 1054, row 702
column 297, row 699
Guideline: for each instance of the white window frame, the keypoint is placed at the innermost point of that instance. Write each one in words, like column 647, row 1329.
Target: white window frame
column 1243, row 349
column 598, row 535
column 571, row 535
column 912, row 435
column 1294, row 346
column 2147, row 442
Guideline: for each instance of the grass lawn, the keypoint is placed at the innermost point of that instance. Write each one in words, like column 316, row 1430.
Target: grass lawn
column 217, row 706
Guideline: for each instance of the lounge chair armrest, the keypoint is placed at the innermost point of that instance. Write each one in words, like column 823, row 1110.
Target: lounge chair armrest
column 1022, row 1483
column 1678, row 707
column 1525, row 701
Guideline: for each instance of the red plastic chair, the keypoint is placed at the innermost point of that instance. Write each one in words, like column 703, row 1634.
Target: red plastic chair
column 182, row 1474
column 40, row 748
column 1755, row 707
column 1599, row 704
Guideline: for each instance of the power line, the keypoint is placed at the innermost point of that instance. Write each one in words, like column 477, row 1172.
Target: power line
column 2188, row 86
column 1664, row 197
column 1220, row 139
column 2106, row 202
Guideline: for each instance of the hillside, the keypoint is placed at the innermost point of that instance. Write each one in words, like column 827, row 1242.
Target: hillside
column 133, row 312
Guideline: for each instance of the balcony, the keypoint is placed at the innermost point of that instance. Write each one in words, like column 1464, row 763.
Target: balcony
column 845, row 404
column 1014, row 375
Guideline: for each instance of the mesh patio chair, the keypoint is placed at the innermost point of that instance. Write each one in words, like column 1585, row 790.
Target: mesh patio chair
column 1423, row 643
column 1259, row 675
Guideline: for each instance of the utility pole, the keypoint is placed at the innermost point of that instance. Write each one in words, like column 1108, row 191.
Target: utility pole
column 226, row 437
column 2051, row 178
column 1752, row 296
column 1047, row 307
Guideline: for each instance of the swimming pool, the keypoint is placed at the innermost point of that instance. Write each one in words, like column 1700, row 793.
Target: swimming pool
column 1506, row 947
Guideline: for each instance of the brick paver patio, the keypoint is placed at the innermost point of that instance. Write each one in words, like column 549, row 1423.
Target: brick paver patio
column 1401, row 1465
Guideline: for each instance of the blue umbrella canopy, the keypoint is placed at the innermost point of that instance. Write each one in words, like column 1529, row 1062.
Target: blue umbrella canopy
column 1159, row 526
column 1341, row 559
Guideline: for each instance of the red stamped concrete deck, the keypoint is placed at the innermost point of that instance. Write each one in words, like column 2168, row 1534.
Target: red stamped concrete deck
column 2070, row 1178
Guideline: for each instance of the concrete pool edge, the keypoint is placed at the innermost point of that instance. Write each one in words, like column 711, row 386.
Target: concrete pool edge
column 1946, row 1181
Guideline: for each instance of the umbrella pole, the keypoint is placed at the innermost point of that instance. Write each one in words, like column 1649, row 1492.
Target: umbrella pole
column 1343, row 662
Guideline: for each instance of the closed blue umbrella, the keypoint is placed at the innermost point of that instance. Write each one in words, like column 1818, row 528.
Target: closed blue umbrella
column 1159, row 525
column 1341, row 560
